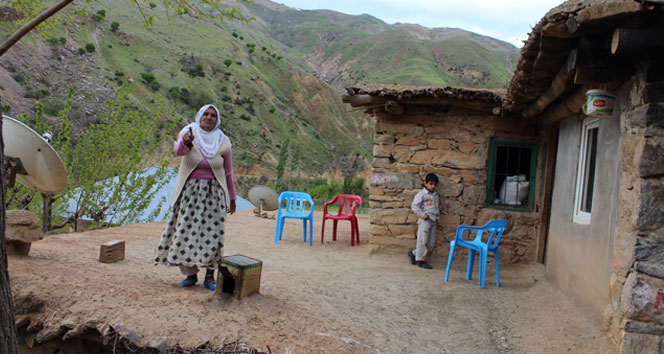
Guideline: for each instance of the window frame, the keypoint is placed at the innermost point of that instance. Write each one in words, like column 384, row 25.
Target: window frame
column 532, row 177
column 580, row 216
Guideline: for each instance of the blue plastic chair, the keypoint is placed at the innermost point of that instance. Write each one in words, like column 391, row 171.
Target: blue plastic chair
column 295, row 207
column 496, row 227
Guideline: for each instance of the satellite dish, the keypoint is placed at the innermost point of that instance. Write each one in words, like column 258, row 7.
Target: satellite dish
column 32, row 161
column 265, row 197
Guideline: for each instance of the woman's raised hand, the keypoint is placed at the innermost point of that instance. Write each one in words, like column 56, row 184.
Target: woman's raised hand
column 188, row 137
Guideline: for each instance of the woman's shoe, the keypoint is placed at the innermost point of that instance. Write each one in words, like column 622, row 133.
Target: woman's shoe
column 209, row 282
column 190, row 280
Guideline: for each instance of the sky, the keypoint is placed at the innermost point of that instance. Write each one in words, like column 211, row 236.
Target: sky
column 507, row 20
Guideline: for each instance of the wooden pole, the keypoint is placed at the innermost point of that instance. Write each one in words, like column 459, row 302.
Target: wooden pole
column 8, row 341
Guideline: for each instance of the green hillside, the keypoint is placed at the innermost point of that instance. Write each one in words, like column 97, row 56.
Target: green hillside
column 277, row 78
column 264, row 96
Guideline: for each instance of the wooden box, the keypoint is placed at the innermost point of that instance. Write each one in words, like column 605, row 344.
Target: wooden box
column 239, row 276
column 112, row 251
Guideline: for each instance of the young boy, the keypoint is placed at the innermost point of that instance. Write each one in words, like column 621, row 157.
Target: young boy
column 425, row 206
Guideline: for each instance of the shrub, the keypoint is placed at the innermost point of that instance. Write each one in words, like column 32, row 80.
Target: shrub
column 155, row 86
column 152, row 5
column 115, row 26
column 245, row 117
column 62, row 40
column 100, row 15
column 180, row 93
column 81, row 51
column 90, row 47
column 272, row 109
column 228, row 62
column 44, row 92
column 147, row 78
column 235, row 34
column 6, row 108
column 192, row 66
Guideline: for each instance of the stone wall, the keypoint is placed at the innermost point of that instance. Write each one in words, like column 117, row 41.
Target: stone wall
column 455, row 146
column 636, row 312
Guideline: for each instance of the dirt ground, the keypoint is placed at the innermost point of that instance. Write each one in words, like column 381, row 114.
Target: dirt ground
column 330, row 298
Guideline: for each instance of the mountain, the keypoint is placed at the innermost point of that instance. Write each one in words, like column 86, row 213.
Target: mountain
column 276, row 79
column 347, row 50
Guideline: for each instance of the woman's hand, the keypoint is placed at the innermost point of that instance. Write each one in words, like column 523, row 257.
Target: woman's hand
column 231, row 209
column 188, row 138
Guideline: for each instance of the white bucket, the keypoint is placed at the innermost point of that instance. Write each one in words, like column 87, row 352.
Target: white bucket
column 599, row 104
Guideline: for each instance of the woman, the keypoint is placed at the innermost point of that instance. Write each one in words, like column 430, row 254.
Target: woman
column 204, row 191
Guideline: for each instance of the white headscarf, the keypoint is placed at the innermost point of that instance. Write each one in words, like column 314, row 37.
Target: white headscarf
column 206, row 141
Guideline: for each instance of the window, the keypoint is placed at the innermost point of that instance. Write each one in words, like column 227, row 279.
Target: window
column 512, row 166
column 585, row 178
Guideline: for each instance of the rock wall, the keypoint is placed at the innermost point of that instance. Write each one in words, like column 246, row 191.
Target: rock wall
column 635, row 315
column 455, row 146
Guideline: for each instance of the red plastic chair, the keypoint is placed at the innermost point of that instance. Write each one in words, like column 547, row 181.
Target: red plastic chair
column 347, row 205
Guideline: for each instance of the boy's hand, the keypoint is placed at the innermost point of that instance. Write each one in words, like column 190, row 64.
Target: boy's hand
column 426, row 217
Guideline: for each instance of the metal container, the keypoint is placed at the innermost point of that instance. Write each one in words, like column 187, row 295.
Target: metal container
column 239, row 276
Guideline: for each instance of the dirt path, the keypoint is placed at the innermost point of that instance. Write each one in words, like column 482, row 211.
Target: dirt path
column 329, row 298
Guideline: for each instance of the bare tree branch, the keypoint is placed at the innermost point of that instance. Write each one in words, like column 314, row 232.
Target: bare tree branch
column 9, row 42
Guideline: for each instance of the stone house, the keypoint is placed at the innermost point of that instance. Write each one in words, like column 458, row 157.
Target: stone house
column 584, row 195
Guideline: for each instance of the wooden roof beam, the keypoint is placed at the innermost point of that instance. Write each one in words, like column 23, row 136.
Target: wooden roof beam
column 569, row 107
column 558, row 85
column 633, row 40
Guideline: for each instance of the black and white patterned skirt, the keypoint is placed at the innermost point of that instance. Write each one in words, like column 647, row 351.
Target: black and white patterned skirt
column 194, row 232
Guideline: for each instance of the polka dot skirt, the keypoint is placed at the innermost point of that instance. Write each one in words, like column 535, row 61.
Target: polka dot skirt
column 194, row 232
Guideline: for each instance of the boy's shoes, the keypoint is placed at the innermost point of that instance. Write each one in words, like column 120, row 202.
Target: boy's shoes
column 412, row 257
column 425, row 265
column 189, row 281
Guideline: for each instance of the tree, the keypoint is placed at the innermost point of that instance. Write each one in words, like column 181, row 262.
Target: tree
column 115, row 26
column 281, row 164
column 8, row 343
column 295, row 162
column 108, row 167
